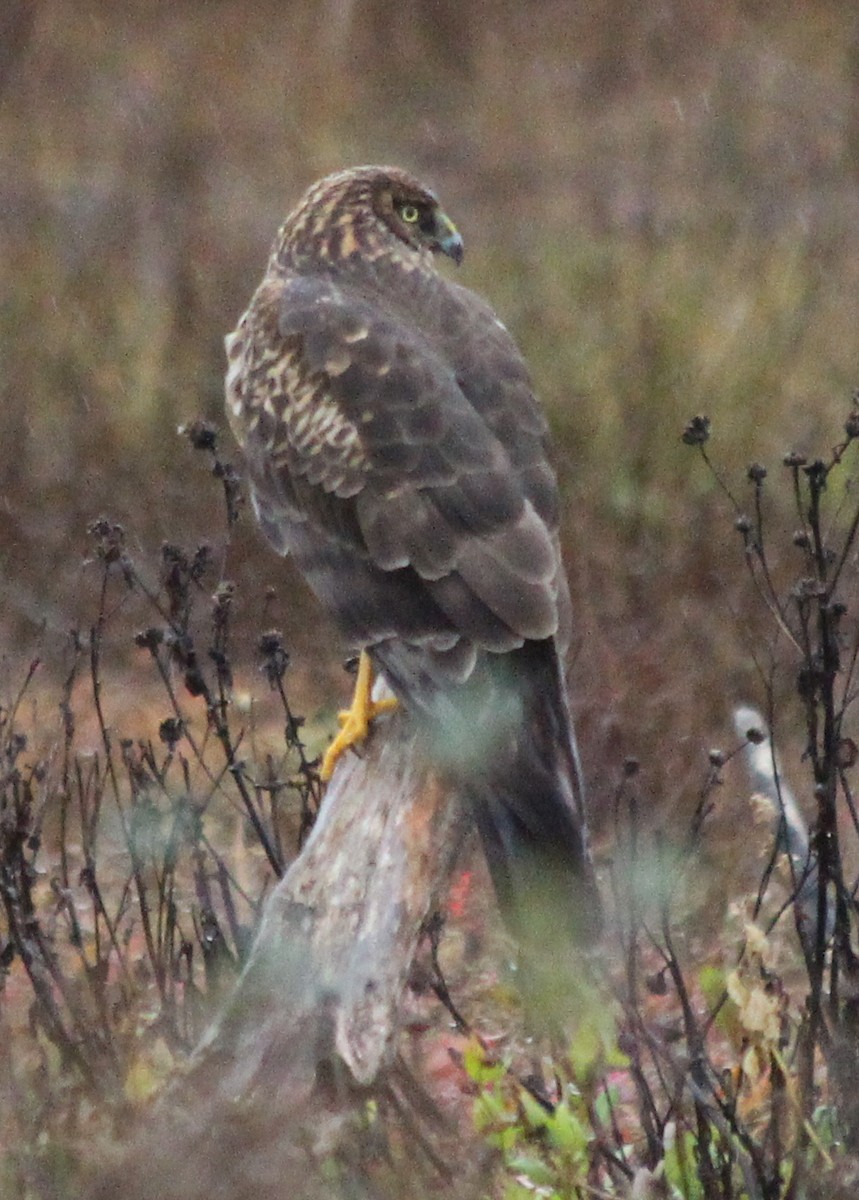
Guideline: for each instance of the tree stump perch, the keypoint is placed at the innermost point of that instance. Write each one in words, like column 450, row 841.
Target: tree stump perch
column 313, row 1020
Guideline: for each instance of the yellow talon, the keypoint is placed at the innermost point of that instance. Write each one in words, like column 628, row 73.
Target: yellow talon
column 355, row 720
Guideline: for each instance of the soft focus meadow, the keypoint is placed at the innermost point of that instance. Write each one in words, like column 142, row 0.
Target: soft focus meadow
column 660, row 200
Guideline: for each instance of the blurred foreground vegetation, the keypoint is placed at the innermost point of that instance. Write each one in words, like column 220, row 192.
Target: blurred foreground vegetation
column 703, row 1056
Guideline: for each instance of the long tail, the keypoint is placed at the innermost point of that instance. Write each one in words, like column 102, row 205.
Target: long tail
column 528, row 802
column 506, row 737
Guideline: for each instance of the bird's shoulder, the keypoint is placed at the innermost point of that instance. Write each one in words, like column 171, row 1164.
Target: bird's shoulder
column 337, row 386
column 334, row 326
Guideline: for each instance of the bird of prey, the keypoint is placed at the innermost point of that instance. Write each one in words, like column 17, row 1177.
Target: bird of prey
column 396, row 450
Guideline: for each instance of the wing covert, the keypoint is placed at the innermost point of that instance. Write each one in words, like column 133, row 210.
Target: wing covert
column 364, row 426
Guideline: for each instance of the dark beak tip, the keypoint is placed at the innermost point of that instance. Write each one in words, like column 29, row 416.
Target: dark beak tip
column 453, row 247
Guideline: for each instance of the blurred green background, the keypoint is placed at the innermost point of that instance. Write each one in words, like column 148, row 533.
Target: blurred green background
column 659, row 197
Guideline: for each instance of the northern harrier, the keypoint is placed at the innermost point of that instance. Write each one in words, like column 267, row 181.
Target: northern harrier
column 396, row 450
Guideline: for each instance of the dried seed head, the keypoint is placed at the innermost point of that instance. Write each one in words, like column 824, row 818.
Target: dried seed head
column 275, row 656
column 795, row 459
column 697, row 431
column 201, row 434
column 170, row 731
column 817, row 472
column 194, row 682
column 757, row 472
column 743, row 524
column 110, row 538
column 202, row 561
column 149, row 639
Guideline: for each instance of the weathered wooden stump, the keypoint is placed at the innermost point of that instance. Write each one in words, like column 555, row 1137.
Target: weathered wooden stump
column 271, row 1096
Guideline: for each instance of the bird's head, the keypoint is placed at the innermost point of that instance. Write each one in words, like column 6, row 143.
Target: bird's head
column 371, row 212
column 414, row 215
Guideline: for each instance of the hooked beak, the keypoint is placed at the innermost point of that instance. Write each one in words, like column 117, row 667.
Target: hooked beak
column 448, row 238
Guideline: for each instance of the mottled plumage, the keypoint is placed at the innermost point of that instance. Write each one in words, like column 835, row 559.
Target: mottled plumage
column 396, row 450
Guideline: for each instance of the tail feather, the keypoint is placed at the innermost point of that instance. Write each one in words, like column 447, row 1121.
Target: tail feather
column 529, row 808
column 507, row 737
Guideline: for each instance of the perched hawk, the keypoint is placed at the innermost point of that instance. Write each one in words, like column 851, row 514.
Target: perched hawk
column 396, row 450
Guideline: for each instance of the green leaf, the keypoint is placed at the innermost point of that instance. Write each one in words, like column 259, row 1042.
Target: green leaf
column 681, row 1170
column 535, row 1114
column 585, row 1050
column 568, row 1133
column 713, row 983
column 606, row 1102
column 533, row 1168
column 507, row 1139
column 478, row 1068
column 490, row 1109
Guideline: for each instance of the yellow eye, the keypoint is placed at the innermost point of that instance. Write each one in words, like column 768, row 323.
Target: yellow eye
column 410, row 214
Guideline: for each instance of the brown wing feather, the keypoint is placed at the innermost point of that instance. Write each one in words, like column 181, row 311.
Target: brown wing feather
column 361, row 427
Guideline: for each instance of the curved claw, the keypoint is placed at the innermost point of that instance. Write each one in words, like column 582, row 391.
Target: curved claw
column 355, row 721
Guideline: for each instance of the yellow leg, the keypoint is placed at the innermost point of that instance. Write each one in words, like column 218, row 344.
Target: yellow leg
column 355, row 721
